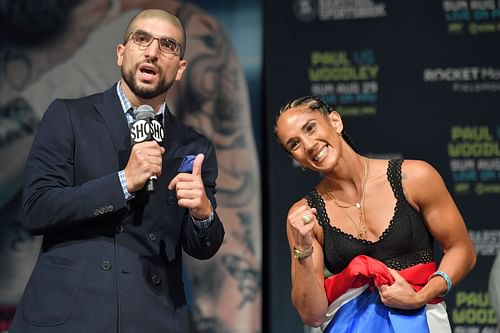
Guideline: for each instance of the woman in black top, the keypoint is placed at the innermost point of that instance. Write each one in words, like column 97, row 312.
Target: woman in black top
column 369, row 222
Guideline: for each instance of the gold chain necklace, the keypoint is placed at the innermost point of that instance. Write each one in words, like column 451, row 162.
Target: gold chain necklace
column 360, row 205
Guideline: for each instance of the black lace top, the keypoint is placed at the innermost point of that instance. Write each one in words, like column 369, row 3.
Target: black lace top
column 405, row 243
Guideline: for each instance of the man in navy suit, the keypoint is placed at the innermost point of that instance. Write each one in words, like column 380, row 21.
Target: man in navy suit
column 111, row 258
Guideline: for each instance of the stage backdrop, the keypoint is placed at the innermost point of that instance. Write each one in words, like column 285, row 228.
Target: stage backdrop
column 66, row 48
column 412, row 79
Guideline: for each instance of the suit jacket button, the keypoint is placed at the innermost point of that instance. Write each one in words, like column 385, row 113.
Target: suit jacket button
column 105, row 265
column 155, row 279
column 119, row 228
column 170, row 200
column 152, row 236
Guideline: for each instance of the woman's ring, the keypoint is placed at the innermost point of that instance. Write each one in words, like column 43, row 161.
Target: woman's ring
column 307, row 219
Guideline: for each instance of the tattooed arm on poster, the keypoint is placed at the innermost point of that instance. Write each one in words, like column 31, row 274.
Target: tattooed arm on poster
column 228, row 298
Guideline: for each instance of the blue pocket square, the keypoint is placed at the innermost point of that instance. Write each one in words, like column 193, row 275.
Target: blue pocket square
column 187, row 164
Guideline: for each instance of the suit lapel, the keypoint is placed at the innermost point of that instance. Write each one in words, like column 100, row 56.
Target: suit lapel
column 116, row 122
column 171, row 141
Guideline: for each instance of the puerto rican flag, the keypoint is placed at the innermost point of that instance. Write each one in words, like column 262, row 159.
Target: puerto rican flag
column 355, row 306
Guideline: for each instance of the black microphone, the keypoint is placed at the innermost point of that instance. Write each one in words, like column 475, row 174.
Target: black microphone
column 146, row 128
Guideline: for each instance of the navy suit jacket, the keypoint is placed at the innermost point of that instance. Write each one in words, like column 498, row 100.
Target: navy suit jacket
column 107, row 265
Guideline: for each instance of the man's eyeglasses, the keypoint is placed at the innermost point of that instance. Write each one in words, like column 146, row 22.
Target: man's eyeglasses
column 144, row 39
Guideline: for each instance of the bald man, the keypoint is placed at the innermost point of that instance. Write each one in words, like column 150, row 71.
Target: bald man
column 112, row 249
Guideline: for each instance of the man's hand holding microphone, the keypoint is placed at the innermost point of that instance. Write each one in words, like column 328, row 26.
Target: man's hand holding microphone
column 145, row 161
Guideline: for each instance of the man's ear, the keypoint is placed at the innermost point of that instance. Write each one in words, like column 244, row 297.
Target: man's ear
column 182, row 66
column 336, row 121
column 119, row 54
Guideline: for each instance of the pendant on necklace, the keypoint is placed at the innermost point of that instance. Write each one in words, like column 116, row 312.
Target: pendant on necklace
column 362, row 232
column 358, row 205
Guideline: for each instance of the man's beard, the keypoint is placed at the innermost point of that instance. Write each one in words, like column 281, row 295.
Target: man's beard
column 145, row 93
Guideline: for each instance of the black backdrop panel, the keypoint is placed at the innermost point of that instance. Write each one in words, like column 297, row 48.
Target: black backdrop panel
column 418, row 80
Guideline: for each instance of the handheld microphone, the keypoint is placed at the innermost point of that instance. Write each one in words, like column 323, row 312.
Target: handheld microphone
column 146, row 128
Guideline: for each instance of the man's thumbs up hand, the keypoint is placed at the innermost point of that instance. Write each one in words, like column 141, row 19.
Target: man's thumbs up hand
column 191, row 191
